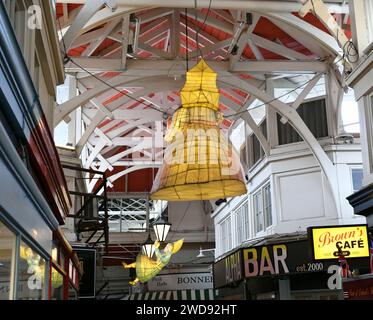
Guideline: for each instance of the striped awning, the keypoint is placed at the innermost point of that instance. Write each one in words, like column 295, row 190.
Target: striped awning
column 206, row 294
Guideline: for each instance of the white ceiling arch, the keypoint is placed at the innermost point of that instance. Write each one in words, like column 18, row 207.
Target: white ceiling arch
column 284, row 110
column 156, row 72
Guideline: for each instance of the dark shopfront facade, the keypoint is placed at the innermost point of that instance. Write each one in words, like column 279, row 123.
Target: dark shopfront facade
column 277, row 271
column 36, row 260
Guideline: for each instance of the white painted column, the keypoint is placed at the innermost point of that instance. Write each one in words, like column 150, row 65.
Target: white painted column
column 366, row 147
column 271, row 114
column 359, row 24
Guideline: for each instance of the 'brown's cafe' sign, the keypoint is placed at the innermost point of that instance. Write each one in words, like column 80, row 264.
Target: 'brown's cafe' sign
column 271, row 260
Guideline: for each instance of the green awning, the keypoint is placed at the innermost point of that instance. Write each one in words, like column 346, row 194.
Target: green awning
column 205, row 294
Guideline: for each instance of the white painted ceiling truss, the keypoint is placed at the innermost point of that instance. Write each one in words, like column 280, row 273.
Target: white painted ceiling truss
column 140, row 50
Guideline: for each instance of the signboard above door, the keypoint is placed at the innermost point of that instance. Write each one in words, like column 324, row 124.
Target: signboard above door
column 181, row 281
column 330, row 241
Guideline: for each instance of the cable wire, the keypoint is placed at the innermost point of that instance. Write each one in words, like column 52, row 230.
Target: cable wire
column 187, row 38
column 203, row 24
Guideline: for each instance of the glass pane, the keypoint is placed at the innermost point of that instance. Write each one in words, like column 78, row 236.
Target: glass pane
column 31, row 274
column 246, row 217
column 7, row 247
column 258, row 211
column 357, row 179
column 57, row 285
column 268, row 206
column 229, row 233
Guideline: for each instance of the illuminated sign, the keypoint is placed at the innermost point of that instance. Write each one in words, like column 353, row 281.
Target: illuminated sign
column 228, row 270
column 286, row 258
column 259, row 261
column 332, row 241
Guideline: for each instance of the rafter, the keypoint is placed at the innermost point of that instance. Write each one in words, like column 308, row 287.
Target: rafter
column 147, row 66
column 304, row 94
column 278, row 49
column 103, row 35
column 174, row 23
column 201, row 17
column 125, row 39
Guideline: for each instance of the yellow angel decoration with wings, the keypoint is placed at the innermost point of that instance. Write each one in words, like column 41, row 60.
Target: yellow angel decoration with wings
column 147, row 268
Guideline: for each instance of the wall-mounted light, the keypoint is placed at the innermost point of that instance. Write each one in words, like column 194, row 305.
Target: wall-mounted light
column 201, row 252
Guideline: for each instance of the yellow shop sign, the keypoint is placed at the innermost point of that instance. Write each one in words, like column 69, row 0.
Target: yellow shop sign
column 329, row 242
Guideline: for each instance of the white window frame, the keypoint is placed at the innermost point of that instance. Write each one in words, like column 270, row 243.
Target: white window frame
column 240, row 226
column 369, row 128
column 267, row 223
column 246, row 216
column 226, row 235
column 258, row 211
column 267, row 203
column 241, row 223
column 368, row 4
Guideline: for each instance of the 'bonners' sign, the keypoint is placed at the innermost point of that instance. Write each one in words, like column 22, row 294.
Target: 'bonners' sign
column 352, row 241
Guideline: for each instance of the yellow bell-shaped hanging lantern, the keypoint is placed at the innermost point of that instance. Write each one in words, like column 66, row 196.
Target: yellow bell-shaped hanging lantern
column 199, row 162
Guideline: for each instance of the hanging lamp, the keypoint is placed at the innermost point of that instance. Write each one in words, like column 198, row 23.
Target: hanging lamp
column 148, row 247
column 161, row 228
column 199, row 163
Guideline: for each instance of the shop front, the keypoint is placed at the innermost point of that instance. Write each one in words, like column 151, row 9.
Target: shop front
column 33, row 192
column 28, row 273
column 350, row 244
column 24, row 267
column 178, row 286
column 287, row 270
column 359, row 288
column 65, row 270
column 273, row 271
column 229, row 277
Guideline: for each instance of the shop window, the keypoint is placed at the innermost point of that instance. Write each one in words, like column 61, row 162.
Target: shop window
column 357, row 179
column 55, row 253
column 313, row 113
column 262, row 205
column 7, row 257
column 56, row 285
column 31, row 274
